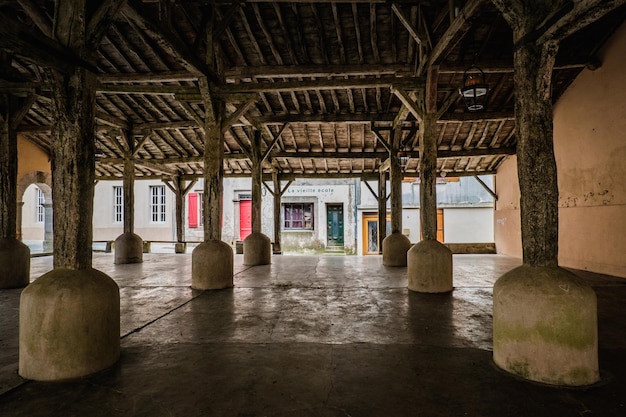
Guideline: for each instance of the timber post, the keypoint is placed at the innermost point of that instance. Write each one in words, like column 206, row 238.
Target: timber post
column 396, row 245
column 257, row 248
column 128, row 246
column 14, row 255
column 212, row 262
column 382, row 209
column 540, row 294
column 277, row 193
column 429, row 268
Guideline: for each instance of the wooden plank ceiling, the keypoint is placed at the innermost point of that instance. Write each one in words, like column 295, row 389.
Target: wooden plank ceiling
column 324, row 81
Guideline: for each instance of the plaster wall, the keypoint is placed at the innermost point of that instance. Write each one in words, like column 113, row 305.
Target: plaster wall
column 590, row 151
column 105, row 227
column 468, row 225
column 30, row 158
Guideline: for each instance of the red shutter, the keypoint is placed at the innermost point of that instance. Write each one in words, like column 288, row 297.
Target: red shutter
column 193, row 210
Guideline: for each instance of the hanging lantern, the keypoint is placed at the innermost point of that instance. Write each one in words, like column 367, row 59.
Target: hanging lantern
column 403, row 158
column 474, row 89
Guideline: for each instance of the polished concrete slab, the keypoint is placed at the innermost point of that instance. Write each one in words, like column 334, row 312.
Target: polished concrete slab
column 309, row 336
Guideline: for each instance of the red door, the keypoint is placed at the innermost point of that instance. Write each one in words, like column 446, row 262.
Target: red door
column 245, row 218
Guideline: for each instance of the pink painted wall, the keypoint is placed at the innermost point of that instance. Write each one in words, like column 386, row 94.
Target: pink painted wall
column 590, row 150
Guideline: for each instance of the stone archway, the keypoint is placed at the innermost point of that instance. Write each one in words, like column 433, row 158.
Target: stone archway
column 43, row 180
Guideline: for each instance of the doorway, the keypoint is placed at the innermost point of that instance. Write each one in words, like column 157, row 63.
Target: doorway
column 245, row 218
column 371, row 241
column 334, row 221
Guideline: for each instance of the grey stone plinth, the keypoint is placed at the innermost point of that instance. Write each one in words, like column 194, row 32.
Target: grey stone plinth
column 545, row 326
column 429, row 268
column 257, row 249
column 395, row 248
column 180, row 247
column 69, row 325
column 212, row 266
column 14, row 263
column 128, row 249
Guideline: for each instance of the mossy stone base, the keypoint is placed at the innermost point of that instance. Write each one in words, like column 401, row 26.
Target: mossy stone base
column 257, row 249
column 212, row 266
column 14, row 263
column 69, row 325
column 395, row 248
column 429, row 268
column 545, row 326
column 128, row 249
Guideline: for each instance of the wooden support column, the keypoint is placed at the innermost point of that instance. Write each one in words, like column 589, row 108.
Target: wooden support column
column 129, row 192
column 277, row 203
column 395, row 178
column 180, row 190
column 14, row 255
column 538, row 303
column 128, row 246
column 72, row 311
column 8, row 174
column 382, row 209
column 212, row 261
column 257, row 182
column 396, row 245
column 73, row 167
column 428, row 177
column 213, row 177
column 257, row 248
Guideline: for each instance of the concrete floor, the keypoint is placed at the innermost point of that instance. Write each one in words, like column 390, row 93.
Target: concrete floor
column 309, row 336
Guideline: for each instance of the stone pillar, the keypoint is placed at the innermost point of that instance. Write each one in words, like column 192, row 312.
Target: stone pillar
column 48, row 232
column 212, row 261
column 382, row 210
column 70, row 317
column 257, row 248
column 544, row 317
column 14, row 255
column 429, row 262
column 128, row 245
column 396, row 245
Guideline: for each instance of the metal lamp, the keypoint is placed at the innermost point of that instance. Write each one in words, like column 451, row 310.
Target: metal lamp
column 474, row 90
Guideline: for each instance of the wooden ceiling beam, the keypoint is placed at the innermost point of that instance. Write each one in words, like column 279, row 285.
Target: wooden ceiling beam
column 294, row 71
column 406, row 22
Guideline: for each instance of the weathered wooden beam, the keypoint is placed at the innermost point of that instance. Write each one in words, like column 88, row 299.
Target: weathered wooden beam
column 316, row 71
column 167, row 41
column 101, row 20
column 154, row 90
column 432, row 76
column 359, row 118
column 406, row 22
column 39, row 18
column 583, row 13
column 459, row 26
column 112, row 120
column 37, row 48
column 148, row 77
column 410, row 104
column 237, row 114
column 321, row 84
column 153, row 166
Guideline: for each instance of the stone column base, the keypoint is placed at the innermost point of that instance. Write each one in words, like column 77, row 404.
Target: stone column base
column 128, row 249
column 429, row 268
column 212, row 266
column 395, row 248
column 14, row 263
column 545, row 326
column 257, row 249
column 69, row 325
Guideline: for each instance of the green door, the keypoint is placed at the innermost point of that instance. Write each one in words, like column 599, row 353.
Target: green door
column 334, row 219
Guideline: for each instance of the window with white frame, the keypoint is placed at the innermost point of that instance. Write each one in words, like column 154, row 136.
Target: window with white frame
column 118, row 204
column 41, row 210
column 157, row 203
column 298, row 216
